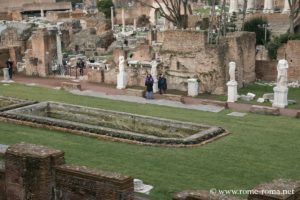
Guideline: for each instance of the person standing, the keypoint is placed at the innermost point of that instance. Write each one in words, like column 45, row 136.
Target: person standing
column 9, row 65
column 162, row 84
column 149, row 86
column 81, row 67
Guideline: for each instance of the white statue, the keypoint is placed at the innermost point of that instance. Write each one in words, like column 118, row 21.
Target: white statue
column 282, row 76
column 153, row 72
column 122, row 76
column 121, row 64
column 232, row 67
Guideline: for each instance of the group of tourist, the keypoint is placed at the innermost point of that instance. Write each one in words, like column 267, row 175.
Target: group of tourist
column 149, row 82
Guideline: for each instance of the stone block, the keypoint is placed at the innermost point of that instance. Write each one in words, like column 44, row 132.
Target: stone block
column 265, row 110
column 29, row 171
column 201, row 195
column 298, row 114
column 174, row 97
column 276, row 190
column 70, row 86
column 135, row 92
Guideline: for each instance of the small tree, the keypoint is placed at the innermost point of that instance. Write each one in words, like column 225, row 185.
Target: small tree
column 258, row 25
column 171, row 10
column 104, row 6
column 294, row 12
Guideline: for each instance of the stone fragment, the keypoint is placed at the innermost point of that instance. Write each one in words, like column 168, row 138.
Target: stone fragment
column 265, row 110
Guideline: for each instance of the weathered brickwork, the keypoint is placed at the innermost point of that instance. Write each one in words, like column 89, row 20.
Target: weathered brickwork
column 267, row 70
column 39, row 173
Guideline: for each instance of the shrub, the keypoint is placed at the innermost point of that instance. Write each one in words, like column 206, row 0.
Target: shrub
column 104, row 6
column 255, row 25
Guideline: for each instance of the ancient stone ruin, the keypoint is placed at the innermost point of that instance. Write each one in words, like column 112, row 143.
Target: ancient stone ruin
column 120, row 126
column 37, row 172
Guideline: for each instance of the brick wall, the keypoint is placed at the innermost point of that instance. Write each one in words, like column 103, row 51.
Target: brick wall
column 39, row 173
column 182, row 41
column 79, row 183
column 267, row 70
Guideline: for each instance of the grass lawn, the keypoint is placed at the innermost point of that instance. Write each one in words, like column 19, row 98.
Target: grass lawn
column 259, row 148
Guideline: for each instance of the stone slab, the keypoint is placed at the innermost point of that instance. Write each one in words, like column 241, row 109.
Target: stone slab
column 71, row 86
column 265, row 110
column 237, row 114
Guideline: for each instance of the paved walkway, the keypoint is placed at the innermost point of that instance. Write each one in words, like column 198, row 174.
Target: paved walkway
column 109, row 92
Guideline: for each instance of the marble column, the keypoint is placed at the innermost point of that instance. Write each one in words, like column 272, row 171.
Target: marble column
column 112, row 17
column 123, row 20
column 134, row 24
column 268, row 6
column 233, row 6
column 250, row 6
column 58, row 48
column 286, row 9
column 193, row 87
column 42, row 13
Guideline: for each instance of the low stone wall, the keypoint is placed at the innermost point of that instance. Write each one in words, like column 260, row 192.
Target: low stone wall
column 39, row 173
column 114, row 125
column 74, row 183
column 8, row 103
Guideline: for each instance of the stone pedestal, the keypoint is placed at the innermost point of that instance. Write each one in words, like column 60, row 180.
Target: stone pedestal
column 193, row 87
column 280, row 97
column 233, row 6
column 286, row 8
column 122, row 81
column 155, row 86
column 5, row 75
column 268, row 6
column 232, row 91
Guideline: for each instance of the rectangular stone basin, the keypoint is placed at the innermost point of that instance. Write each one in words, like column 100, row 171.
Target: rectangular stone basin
column 7, row 103
column 115, row 124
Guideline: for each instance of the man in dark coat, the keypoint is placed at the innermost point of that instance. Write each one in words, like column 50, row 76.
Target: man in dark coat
column 162, row 84
column 9, row 65
column 149, row 86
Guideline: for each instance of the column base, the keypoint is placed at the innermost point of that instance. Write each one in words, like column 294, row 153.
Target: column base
column 280, row 97
column 122, row 81
column 232, row 91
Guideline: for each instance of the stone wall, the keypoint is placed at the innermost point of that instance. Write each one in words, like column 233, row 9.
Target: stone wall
column 78, row 183
column 39, row 59
column 37, row 172
column 182, row 41
column 267, row 70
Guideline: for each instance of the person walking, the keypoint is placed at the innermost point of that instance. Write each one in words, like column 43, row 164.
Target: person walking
column 162, row 84
column 149, row 86
column 9, row 65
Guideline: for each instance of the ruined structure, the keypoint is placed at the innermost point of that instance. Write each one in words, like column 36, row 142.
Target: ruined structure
column 38, row 172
